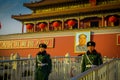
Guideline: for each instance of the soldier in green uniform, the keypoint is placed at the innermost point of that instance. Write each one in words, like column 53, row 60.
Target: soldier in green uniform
column 43, row 63
column 91, row 58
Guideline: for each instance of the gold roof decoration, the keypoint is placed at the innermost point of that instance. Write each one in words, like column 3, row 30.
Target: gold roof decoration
column 46, row 2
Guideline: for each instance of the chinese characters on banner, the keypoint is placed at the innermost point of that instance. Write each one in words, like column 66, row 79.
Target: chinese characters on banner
column 26, row 43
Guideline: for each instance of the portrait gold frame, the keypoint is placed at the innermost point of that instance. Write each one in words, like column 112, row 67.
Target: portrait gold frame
column 88, row 34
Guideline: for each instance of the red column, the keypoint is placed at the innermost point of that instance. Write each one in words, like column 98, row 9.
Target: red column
column 22, row 27
column 78, row 23
column 62, row 24
column 34, row 27
column 103, row 21
column 48, row 25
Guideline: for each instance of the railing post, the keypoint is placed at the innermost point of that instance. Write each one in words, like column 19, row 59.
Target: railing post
column 117, row 69
column 107, row 72
column 96, row 75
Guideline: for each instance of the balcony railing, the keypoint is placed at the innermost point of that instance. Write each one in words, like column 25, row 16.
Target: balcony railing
column 63, row 68
column 108, row 71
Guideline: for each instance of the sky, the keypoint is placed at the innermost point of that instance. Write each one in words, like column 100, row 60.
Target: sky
column 9, row 8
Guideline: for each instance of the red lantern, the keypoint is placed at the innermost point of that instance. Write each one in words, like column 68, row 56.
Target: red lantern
column 92, row 0
column 56, row 24
column 112, row 19
column 29, row 26
column 71, row 23
column 42, row 25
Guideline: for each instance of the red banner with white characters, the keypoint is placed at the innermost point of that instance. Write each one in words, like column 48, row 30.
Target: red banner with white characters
column 26, row 43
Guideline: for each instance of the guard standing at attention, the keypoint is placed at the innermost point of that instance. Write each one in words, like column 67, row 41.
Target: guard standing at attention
column 43, row 63
column 91, row 58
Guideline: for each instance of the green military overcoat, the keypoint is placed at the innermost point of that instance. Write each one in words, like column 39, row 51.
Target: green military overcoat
column 94, row 59
column 42, row 71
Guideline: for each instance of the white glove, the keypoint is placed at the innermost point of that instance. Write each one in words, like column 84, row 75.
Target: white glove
column 42, row 64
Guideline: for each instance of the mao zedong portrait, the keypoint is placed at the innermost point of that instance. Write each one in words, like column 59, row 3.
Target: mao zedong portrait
column 81, row 46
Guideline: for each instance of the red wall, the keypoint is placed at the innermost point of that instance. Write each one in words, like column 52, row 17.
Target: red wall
column 105, row 44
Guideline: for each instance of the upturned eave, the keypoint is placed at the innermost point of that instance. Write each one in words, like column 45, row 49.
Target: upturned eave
column 33, row 5
column 68, row 12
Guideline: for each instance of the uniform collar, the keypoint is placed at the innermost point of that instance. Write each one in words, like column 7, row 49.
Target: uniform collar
column 93, row 52
column 42, row 53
